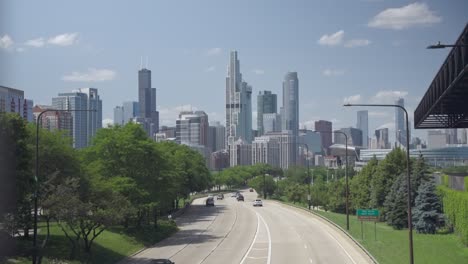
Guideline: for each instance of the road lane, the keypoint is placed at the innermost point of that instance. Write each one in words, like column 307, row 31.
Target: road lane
column 238, row 233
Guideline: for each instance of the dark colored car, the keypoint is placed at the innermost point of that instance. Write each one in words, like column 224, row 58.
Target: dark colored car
column 250, row 190
column 162, row 261
column 240, row 197
column 210, row 201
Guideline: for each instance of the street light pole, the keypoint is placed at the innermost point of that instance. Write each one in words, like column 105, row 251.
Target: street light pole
column 308, row 172
column 408, row 178
column 442, row 46
column 346, row 172
column 264, row 187
column 36, row 176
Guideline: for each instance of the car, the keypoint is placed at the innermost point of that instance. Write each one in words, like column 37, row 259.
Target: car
column 240, row 197
column 250, row 190
column 210, row 201
column 258, row 202
column 220, row 196
column 162, row 261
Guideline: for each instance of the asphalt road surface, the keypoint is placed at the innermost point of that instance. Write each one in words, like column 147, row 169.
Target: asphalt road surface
column 237, row 232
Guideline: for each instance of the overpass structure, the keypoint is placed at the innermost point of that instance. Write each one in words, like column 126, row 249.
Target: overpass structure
column 445, row 104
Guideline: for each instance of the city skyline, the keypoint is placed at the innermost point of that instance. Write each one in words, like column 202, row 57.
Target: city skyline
column 324, row 54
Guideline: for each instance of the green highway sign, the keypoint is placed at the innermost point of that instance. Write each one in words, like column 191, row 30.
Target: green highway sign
column 368, row 214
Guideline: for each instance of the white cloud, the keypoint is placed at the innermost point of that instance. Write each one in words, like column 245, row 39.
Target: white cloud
column 388, row 97
column 20, row 49
column 415, row 14
column 331, row 72
column 107, row 122
column 332, row 40
column 92, row 75
column 214, row 51
column 6, row 42
column 210, row 69
column 353, row 99
column 357, row 43
column 66, row 39
column 258, row 71
column 37, row 42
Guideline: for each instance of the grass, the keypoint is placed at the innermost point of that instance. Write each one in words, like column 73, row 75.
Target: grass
column 392, row 246
column 111, row 246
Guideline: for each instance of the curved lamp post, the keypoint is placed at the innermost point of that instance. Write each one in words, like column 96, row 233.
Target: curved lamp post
column 408, row 178
column 36, row 177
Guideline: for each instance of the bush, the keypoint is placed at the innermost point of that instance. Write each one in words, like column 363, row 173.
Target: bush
column 455, row 206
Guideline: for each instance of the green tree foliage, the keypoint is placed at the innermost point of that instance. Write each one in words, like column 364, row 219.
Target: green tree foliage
column 337, row 196
column 259, row 184
column 296, row 193
column 420, row 174
column 388, row 170
column 455, row 207
column 360, row 185
column 18, row 181
column 396, row 207
column 427, row 212
column 319, row 193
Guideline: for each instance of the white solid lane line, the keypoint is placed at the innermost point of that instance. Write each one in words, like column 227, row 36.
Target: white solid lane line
column 269, row 238
column 253, row 241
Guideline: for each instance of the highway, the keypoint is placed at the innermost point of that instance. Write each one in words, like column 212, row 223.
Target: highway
column 237, row 232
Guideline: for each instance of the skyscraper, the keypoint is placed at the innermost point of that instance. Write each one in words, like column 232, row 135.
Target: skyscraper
column 85, row 123
column 290, row 115
column 238, row 104
column 326, row 127
column 354, row 136
column 192, row 128
column 147, row 113
column 130, row 110
column 271, row 123
column 216, row 138
column 400, row 128
column 266, row 104
column 291, row 103
column 381, row 136
column 118, row 115
column 54, row 120
column 363, row 125
column 13, row 101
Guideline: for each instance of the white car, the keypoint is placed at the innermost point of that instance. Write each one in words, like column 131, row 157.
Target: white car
column 258, row 202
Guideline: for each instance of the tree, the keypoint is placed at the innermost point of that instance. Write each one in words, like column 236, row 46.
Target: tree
column 360, row 185
column 337, row 196
column 427, row 213
column 395, row 205
column 419, row 175
column 269, row 186
column 319, row 193
column 387, row 171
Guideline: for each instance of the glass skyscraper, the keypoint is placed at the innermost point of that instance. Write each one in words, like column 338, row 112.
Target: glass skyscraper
column 363, row 125
column 266, row 104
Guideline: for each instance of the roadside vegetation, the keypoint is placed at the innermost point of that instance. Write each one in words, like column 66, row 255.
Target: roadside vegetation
column 102, row 202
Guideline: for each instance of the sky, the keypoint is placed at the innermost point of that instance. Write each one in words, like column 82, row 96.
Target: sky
column 358, row 51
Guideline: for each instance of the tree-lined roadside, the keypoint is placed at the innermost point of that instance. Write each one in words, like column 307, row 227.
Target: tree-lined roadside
column 123, row 181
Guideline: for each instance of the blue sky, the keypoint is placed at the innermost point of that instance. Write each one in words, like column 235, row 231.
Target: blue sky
column 349, row 50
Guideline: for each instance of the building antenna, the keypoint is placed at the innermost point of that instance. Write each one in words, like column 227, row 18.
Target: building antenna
column 146, row 62
column 141, row 62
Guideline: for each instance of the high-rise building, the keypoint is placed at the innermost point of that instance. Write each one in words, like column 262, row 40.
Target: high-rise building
column 463, row 134
column 287, row 147
column 119, row 115
column 312, row 139
column 147, row 114
column 240, row 153
column 354, row 136
column 400, row 128
column 169, row 131
column 238, row 104
column 54, row 120
column 452, row 136
column 326, row 128
column 13, row 101
column 219, row 160
column 216, row 136
column 265, row 150
column 271, row 123
column 363, row 125
column 290, row 115
column 436, row 139
column 130, row 110
column 192, row 128
column 94, row 118
column 382, row 140
column 266, row 104
column 85, row 123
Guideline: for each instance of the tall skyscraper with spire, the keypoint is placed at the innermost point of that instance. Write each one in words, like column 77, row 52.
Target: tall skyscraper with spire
column 148, row 116
column 238, row 104
column 400, row 127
